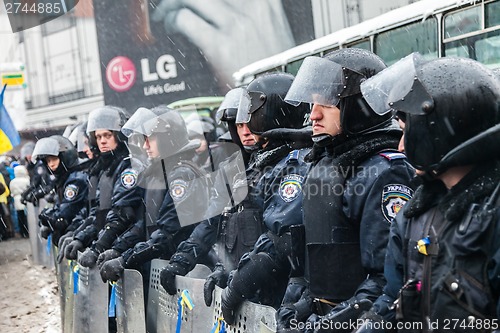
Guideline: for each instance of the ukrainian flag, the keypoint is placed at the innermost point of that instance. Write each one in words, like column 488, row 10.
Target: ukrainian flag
column 9, row 137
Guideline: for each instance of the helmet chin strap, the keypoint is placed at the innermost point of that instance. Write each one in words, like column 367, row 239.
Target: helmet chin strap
column 325, row 139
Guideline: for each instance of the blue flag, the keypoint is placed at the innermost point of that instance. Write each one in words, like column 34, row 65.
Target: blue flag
column 9, row 137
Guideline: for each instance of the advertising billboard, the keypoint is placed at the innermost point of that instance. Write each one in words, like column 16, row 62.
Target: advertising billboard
column 156, row 52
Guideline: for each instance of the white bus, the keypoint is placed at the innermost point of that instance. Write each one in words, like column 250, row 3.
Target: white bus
column 434, row 28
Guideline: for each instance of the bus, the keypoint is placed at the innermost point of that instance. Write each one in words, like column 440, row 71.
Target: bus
column 434, row 28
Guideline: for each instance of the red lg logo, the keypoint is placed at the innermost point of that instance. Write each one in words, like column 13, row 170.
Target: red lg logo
column 120, row 74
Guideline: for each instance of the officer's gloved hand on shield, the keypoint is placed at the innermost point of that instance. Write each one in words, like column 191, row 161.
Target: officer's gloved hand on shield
column 112, row 269
column 71, row 250
column 349, row 312
column 88, row 258
column 106, row 256
column 167, row 276
column 217, row 278
column 64, row 241
column 45, row 231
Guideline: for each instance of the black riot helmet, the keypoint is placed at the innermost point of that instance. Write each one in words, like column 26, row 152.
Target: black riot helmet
column 264, row 104
column 109, row 118
column 334, row 80
column 166, row 124
column 59, row 146
column 227, row 112
column 452, row 108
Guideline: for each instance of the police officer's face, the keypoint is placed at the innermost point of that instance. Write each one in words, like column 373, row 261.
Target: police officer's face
column 325, row 120
column 52, row 162
column 105, row 140
column 246, row 137
column 151, row 147
column 401, row 145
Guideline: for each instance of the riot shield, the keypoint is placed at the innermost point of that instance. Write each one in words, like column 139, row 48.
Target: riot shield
column 90, row 314
column 197, row 319
column 41, row 254
column 130, row 314
column 250, row 317
column 154, row 294
column 65, row 282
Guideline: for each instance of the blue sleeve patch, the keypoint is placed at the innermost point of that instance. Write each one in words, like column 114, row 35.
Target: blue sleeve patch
column 393, row 155
column 394, row 197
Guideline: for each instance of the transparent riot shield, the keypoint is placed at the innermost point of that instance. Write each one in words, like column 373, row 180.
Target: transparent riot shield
column 197, row 319
column 41, row 254
column 154, row 294
column 65, row 282
column 90, row 314
column 130, row 314
column 250, row 317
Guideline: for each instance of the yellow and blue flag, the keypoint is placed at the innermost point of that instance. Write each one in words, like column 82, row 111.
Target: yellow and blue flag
column 9, row 137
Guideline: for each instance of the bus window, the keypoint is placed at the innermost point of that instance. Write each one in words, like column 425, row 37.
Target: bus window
column 293, row 66
column 492, row 14
column 365, row 44
column 484, row 48
column 422, row 37
column 462, row 22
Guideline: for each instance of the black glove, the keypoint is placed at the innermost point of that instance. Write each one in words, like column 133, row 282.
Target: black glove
column 112, row 269
column 71, row 250
column 217, row 278
column 167, row 276
column 143, row 252
column 45, row 231
column 88, row 258
column 106, row 256
column 350, row 311
column 258, row 272
column 230, row 301
column 372, row 323
column 45, row 216
column 63, row 243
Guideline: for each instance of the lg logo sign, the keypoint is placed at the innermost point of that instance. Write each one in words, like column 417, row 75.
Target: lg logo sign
column 121, row 73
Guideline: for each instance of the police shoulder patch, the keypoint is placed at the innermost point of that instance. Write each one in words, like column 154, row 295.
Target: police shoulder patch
column 394, row 197
column 178, row 190
column 129, row 178
column 291, row 187
column 70, row 192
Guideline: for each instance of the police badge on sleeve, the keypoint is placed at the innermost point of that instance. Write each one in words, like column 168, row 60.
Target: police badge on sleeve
column 70, row 192
column 178, row 190
column 129, row 178
column 394, row 197
column 291, row 187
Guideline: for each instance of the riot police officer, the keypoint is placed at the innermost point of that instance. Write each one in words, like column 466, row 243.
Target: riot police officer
column 118, row 196
column 176, row 192
column 441, row 265
column 60, row 157
column 239, row 225
column 282, row 144
column 356, row 184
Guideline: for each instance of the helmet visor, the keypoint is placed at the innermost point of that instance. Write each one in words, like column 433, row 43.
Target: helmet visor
column 45, row 146
column 390, row 86
column 318, row 81
column 231, row 101
column 243, row 114
column 143, row 121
